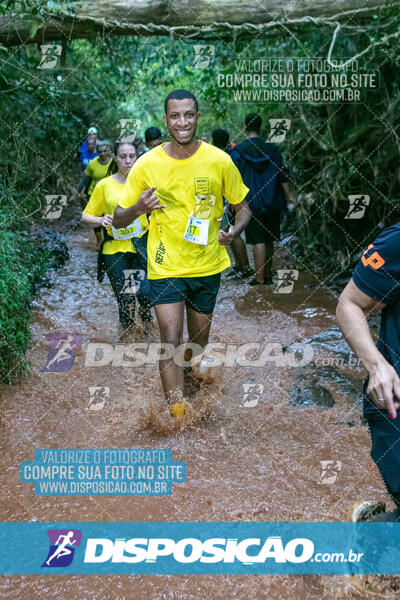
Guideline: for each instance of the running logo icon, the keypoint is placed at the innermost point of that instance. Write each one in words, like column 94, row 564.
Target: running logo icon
column 54, row 206
column 133, row 277
column 63, row 347
column 329, row 471
column 279, row 129
column 62, row 547
column 287, row 278
column 357, row 206
column 50, row 54
column 129, row 128
column 204, row 204
column 202, row 56
column 97, row 397
column 251, row 394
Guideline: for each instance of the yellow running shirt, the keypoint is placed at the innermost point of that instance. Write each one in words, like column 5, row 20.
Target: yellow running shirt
column 103, row 201
column 195, row 186
column 96, row 171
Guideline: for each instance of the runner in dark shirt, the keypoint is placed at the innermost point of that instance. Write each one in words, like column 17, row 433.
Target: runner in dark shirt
column 263, row 170
column 241, row 270
column 375, row 286
column 88, row 151
column 152, row 137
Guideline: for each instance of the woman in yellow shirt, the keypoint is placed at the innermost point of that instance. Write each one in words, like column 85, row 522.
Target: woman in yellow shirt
column 122, row 254
column 96, row 170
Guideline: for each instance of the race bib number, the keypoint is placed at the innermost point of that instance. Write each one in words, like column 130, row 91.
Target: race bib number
column 125, row 233
column 197, row 231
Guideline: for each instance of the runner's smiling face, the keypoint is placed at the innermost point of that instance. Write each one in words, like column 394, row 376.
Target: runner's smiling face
column 126, row 158
column 181, row 120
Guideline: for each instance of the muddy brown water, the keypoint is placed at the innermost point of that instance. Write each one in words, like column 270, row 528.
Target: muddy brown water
column 244, row 463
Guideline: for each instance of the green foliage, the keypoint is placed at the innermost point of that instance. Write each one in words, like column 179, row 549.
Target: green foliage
column 23, row 268
column 341, row 150
column 16, row 294
column 37, row 10
column 333, row 150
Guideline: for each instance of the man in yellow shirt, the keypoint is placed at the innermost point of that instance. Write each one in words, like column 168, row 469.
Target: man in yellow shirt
column 95, row 171
column 185, row 181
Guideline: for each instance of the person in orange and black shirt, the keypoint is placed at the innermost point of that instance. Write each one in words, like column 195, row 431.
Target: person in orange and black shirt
column 375, row 286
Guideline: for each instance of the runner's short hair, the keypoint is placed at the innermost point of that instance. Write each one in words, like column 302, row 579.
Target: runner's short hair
column 103, row 143
column 151, row 134
column 220, row 138
column 252, row 122
column 180, row 95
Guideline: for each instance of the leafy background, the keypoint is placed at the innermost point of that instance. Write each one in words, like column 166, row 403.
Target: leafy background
column 332, row 150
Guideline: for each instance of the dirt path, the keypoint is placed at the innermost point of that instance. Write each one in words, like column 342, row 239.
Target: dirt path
column 244, row 463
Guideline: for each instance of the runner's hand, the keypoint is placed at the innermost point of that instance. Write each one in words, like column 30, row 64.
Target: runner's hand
column 225, row 237
column 148, row 201
column 106, row 220
column 384, row 384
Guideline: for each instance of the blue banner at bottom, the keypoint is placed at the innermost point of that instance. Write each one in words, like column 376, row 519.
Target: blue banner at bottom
column 199, row 548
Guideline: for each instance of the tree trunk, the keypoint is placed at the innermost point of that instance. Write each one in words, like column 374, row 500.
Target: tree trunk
column 200, row 19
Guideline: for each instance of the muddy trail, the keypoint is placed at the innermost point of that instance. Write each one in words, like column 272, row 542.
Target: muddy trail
column 247, row 460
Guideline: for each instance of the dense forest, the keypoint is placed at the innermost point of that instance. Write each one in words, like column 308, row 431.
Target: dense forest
column 333, row 150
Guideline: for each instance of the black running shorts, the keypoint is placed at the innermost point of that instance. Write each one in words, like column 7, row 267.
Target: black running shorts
column 198, row 293
column 263, row 228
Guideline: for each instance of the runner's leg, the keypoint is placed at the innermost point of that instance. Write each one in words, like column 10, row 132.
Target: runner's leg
column 269, row 253
column 239, row 252
column 271, row 224
column 200, row 305
column 170, row 321
column 259, row 251
column 143, row 293
column 385, row 452
column 198, row 329
column 115, row 264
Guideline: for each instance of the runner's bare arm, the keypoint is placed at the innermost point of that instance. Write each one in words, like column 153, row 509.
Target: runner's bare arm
column 290, row 199
column 351, row 311
column 147, row 202
column 93, row 222
column 243, row 216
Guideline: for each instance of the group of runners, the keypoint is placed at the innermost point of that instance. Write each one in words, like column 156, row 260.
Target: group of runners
column 167, row 218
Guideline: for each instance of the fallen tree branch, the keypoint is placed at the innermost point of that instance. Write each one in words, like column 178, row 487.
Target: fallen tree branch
column 179, row 19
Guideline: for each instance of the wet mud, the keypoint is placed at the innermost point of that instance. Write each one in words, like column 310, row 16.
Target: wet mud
column 254, row 459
